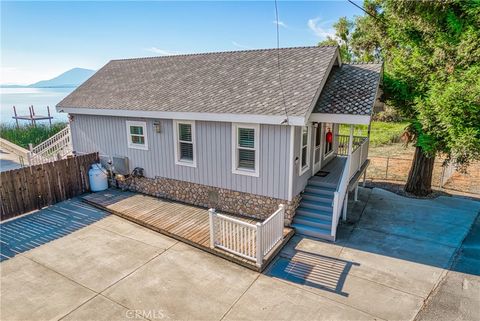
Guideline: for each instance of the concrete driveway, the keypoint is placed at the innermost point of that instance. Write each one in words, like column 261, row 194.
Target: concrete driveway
column 391, row 256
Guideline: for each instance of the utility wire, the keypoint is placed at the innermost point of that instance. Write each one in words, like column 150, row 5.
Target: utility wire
column 278, row 64
column 361, row 8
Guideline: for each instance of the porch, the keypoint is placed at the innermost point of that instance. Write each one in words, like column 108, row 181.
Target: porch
column 245, row 241
column 325, row 196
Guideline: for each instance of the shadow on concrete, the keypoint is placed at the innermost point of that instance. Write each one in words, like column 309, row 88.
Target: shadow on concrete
column 313, row 270
column 425, row 231
column 32, row 230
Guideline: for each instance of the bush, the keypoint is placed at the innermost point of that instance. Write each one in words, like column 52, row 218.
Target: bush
column 26, row 134
column 389, row 114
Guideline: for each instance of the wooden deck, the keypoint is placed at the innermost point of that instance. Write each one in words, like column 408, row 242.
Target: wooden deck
column 186, row 223
column 334, row 169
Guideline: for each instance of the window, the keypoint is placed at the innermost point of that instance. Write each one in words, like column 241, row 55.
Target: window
column 245, row 149
column 305, row 150
column 184, row 135
column 137, row 135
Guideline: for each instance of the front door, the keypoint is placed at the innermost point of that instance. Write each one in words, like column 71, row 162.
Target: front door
column 317, row 150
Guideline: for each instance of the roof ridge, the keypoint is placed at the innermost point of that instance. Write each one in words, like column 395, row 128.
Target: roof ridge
column 223, row 52
column 376, row 62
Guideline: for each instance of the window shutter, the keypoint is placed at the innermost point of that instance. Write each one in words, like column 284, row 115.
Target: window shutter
column 136, row 130
column 186, row 151
column 246, row 137
column 185, row 132
column 246, row 158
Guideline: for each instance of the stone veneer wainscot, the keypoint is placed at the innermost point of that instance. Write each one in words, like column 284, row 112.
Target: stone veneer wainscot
column 226, row 200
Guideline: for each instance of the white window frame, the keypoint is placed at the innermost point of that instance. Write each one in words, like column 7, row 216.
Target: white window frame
column 304, row 169
column 142, row 124
column 256, row 148
column 176, row 143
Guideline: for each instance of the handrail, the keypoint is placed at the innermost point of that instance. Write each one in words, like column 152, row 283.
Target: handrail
column 250, row 241
column 343, row 143
column 51, row 149
column 354, row 162
column 51, row 141
column 339, row 197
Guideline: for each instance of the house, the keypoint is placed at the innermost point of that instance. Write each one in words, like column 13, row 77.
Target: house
column 228, row 130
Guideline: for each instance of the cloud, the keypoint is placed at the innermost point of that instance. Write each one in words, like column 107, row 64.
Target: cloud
column 236, row 44
column 280, row 23
column 161, row 52
column 319, row 30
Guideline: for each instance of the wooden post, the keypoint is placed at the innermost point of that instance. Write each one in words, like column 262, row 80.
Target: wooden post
column 259, row 242
column 364, row 177
column 211, row 218
column 356, row 192
column 31, row 115
column 386, row 170
column 15, row 113
column 49, row 118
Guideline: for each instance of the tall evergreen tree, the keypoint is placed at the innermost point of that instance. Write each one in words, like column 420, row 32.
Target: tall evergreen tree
column 431, row 52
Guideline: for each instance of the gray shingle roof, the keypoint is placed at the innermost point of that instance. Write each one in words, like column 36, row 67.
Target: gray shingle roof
column 350, row 89
column 238, row 82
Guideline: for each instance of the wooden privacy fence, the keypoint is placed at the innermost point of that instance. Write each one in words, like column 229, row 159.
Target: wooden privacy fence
column 29, row 188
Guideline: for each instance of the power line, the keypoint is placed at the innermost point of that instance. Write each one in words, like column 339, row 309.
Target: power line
column 278, row 63
column 361, row 8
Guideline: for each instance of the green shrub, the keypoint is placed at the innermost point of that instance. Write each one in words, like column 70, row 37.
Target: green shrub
column 26, row 134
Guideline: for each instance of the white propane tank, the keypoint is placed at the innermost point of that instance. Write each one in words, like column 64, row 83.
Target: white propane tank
column 98, row 178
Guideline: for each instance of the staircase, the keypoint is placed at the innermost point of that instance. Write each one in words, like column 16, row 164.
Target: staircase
column 56, row 147
column 314, row 214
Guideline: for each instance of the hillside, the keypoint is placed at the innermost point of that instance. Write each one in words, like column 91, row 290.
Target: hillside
column 71, row 78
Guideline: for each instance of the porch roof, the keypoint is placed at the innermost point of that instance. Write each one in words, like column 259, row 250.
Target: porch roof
column 351, row 90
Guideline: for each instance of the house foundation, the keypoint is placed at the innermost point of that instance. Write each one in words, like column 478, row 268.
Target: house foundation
column 226, row 200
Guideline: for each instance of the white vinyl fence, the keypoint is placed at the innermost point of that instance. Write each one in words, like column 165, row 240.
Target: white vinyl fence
column 250, row 241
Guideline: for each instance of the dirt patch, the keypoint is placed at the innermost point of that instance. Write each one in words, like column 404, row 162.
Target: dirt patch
column 390, row 164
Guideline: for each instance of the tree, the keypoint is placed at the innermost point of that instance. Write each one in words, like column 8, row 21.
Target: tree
column 431, row 54
column 432, row 59
column 343, row 28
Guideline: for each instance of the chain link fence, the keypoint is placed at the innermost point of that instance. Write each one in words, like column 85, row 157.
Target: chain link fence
column 446, row 177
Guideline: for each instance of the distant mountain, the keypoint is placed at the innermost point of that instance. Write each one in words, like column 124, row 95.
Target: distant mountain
column 71, row 78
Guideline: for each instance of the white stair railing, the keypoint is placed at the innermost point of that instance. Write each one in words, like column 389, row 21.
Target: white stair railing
column 54, row 148
column 250, row 241
column 339, row 198
column 352, row 166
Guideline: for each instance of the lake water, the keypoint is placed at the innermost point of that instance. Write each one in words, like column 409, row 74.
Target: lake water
column 40, row 98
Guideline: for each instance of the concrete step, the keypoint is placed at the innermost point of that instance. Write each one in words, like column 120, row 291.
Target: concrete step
column 319, row 190
column 319, row 214
column 318, row 182
column 317, row 205
column 312, row 231
column 317, row 197
column 313, row 222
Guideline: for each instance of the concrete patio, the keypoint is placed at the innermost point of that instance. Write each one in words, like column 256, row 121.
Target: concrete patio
column 391, row 256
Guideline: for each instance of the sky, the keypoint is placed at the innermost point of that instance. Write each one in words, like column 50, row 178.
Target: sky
column 40, row 40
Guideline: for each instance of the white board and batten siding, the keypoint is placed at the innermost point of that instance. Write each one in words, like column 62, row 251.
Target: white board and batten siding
column 108, row 136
